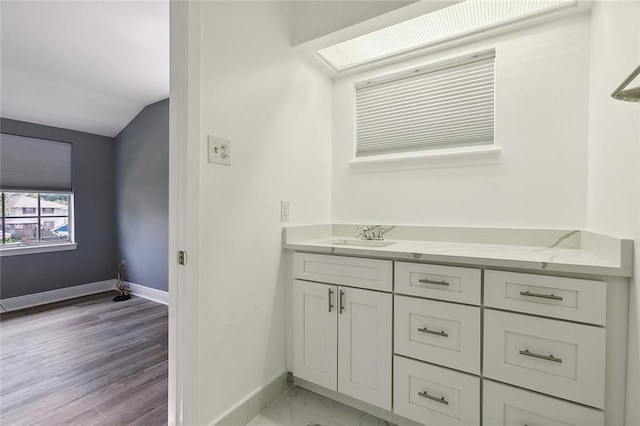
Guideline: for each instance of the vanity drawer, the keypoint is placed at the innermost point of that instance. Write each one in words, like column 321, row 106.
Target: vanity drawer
column 374, row 274
column 554, row 357
column 438, row 282
column 433, row 395
column 558, row 297
column 508, row 406
column 439, row 332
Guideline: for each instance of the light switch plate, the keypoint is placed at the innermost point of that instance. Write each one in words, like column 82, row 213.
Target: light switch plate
column 284, row 211
column 219, row 150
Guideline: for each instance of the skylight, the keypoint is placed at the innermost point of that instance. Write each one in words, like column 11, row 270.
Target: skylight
column 454, row 21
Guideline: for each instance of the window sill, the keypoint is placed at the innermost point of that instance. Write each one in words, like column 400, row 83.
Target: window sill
column 440, row 158
column 45, row 248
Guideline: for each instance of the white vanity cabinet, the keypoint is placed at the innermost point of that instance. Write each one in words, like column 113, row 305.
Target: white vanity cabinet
column 461, row 345
column 547, row 334
column 430, row 334
column 342, row 335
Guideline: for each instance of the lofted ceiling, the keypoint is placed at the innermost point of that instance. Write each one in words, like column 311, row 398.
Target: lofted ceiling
column 90, row 66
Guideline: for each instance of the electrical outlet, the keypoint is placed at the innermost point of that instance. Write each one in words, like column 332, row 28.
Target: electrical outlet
column 219, row 150
column 284, row 211
column 123, row 265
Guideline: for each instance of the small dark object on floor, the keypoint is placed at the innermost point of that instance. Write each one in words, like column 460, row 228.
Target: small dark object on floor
column 121, row 286
column 121, row 297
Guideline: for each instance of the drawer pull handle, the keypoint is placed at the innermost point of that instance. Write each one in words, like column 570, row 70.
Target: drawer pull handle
column 437, row 333
column 330, row 299
column 545, row 357
column 433, row 398
column 428, row 281
column 543, row 296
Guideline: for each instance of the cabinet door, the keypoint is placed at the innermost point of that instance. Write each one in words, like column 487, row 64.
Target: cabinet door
column 432, row 395
column 558, row 358
column 556, row 297
column 315, row 328
column 364, row 333
column 438, row 332
column 438, row 282
column 508, row 406
column 374, row 274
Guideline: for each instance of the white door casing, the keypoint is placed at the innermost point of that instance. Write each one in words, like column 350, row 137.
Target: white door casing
column 184, row 143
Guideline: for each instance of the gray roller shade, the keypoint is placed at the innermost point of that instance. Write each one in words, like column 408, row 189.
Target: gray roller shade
column 29, row 164
column 446, row 105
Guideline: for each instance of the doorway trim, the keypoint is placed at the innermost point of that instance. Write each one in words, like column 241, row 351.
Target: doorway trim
column 184, row 146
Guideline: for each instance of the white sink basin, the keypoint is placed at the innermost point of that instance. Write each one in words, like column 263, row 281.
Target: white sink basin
column 358, row 242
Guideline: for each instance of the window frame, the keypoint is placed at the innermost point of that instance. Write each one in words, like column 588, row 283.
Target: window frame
column 39, row 246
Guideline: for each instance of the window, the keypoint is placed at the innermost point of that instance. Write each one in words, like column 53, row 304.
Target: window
column 462, row 19
column 24, row 226
column 36, row 194
column 445, row 105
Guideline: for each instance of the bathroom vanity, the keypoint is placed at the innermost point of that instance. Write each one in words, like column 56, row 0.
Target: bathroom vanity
column 463, row 326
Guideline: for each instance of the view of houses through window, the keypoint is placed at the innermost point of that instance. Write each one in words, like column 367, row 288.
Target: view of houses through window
column 33, row 218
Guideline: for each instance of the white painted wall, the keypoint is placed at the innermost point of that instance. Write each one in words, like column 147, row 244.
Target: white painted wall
column 614, row 148
column 613, row 125
column 540, row 179
column 276, row 110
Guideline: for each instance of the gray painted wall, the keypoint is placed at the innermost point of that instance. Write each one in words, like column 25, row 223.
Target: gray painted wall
column 142, row 196
column 94, row 208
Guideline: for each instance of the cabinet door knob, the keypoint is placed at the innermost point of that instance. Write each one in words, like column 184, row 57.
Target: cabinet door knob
column 330, row 299
column 341, row 301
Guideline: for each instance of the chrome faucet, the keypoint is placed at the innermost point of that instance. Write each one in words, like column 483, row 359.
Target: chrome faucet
column 375, row 232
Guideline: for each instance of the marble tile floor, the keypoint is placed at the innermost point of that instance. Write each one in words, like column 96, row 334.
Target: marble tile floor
column 299, row 407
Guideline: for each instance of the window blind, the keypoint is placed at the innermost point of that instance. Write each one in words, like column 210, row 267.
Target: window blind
column 30, row 164
column 447, row 105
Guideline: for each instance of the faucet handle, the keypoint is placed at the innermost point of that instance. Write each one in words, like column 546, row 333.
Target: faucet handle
column 378, row 231
column 365, row 232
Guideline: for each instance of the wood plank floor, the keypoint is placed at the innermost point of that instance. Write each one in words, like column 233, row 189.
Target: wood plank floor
column 89, row 361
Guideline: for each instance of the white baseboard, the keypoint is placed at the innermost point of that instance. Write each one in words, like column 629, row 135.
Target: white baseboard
column 42, row 298
column 148, row 293
column 244, row 411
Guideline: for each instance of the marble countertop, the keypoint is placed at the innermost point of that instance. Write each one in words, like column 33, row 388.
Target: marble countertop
column 571, row 251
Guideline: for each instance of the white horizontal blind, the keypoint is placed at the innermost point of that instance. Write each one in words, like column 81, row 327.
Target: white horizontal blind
column 29, row 164
column 448, row 105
